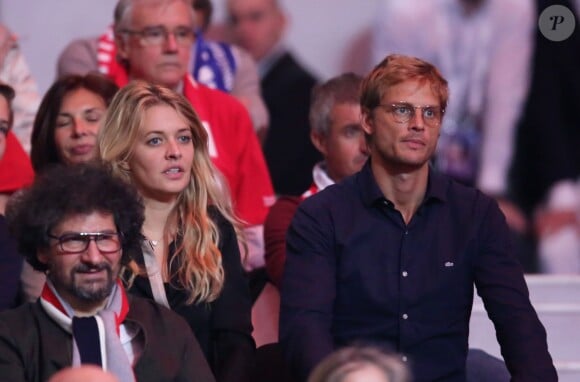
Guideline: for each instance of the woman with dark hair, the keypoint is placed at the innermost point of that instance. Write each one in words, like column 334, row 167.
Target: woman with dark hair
column 65, row 132
column 66, row 126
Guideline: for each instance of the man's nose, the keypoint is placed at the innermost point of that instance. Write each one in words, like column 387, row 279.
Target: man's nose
column 417, row 121
column 170, row 42
column 92, row 255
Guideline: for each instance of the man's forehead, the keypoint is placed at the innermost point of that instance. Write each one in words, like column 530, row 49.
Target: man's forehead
column 161, row 12
column 95, row 220
column 252, row 5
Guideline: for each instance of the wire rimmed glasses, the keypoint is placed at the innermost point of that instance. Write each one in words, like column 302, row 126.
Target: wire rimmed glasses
column 403, row 112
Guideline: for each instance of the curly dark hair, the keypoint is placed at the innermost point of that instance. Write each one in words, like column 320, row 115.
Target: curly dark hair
column 62, row 191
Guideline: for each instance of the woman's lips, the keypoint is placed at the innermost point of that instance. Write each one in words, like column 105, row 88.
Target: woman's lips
column 82, row 149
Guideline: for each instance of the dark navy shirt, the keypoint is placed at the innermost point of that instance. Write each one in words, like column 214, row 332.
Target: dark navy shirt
column 356, row 273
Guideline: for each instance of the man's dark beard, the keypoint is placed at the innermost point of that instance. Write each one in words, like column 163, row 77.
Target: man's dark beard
column 92, row 294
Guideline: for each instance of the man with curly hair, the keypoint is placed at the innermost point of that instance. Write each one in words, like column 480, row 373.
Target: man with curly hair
column 80, row 226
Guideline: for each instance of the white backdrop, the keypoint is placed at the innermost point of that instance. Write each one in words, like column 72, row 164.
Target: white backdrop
column 329, row 36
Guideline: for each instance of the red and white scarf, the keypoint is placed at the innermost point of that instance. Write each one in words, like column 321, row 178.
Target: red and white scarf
column 107, row 58
column 107, row 325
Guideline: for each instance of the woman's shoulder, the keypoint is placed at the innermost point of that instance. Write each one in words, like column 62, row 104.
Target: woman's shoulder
column 219, row 219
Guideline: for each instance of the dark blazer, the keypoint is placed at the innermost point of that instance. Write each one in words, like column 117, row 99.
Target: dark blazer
column 33, row 347
column 10, row 268
column 289, row 152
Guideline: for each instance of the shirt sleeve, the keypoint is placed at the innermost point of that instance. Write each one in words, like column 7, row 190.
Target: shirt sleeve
column 308, row 290
column 275, row 228
column 233, row 345
column 500, row 283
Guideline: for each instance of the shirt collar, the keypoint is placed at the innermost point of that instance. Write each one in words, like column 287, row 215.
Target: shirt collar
column 370, row 192
column 320, row 176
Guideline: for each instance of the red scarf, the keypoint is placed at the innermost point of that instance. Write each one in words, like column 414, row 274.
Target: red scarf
column 120, row 313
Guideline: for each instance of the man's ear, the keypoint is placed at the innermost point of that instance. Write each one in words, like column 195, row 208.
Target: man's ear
column 319, row 141
column 367, row 121
column 43, row 255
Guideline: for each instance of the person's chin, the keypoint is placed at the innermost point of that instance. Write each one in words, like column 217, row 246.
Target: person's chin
column 95, row 288
column 170, row 77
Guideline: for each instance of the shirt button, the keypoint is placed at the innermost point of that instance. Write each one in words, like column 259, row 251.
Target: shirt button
column 405, row 274
column 405, row 316
column 404, row 358
column 406, row 232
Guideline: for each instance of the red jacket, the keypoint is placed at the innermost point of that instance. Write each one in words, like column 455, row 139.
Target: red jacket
column 15, row 167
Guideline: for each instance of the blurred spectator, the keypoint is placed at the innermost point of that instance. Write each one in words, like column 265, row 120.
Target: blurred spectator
column 10, row 260
column 15, row 169
column 483, row 48
column 227, row 67
column 546, row 169
column 14, row 71
column 259, row 26
column 361, row 364
column 337, row 133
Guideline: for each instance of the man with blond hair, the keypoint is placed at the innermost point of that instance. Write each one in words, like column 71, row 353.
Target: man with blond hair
column 390, row 255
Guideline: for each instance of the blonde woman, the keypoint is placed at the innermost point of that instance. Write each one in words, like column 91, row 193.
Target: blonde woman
column 190, row 259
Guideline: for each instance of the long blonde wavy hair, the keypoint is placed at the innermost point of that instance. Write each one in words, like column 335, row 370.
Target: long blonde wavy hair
column 200, row 270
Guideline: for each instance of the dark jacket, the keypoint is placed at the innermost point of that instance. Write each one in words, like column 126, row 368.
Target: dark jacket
column 10, row 268
column 289, row 153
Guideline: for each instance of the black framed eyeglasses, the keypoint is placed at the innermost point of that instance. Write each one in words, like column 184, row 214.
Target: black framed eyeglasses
column 78, row 242
column 403, row 112
column 158, row 35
